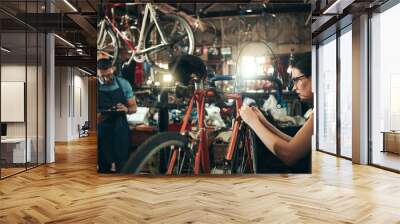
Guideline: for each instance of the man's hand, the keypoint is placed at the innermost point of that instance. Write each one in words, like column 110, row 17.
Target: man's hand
column 132, row 107
column 122, row 107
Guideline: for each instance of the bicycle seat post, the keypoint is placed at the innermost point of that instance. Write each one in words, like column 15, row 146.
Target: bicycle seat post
column 199, row 85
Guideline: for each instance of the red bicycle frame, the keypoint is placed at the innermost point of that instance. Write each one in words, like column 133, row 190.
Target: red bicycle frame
column 202, row 154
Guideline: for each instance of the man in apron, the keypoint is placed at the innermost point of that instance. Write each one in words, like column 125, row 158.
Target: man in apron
column 115, row 99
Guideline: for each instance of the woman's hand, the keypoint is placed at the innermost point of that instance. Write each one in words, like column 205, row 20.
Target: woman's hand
column 122, row 107
column 248, row 115
column 260, row 115
column 262, row 118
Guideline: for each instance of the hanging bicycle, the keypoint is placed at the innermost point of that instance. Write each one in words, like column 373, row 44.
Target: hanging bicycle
column 160, row 38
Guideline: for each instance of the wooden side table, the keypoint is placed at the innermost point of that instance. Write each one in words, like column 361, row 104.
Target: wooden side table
column 391, row 141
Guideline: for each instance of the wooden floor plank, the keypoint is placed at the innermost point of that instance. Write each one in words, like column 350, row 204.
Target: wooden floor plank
column 71, row 191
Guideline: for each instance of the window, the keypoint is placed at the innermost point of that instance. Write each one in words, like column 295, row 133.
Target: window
column 385, row 89
column 22, row 74
column 327, row 96
column 346, row 93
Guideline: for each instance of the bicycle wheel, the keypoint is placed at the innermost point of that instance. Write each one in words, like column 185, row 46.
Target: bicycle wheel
column 243, row 160
column 148, row 158
column 179, row 36
column 107, row 42
column 272, row 20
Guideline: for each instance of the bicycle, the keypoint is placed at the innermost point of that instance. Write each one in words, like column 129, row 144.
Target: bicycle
column 187, row 151
column 160, row 38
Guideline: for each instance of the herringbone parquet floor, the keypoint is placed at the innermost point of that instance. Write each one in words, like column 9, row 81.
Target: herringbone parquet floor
column 70, row 191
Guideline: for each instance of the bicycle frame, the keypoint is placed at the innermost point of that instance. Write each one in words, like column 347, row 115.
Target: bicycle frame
column 149, row 9
column 202, row 154
column 139, row 49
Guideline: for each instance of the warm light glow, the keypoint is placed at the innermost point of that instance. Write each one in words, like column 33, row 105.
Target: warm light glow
column 260, row 60
column 249, row 66
column 164, row 66
column 167, row 77
column 254, row 59
column 270, row 70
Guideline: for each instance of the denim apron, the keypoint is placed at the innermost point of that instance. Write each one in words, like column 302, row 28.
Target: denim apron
column 112, row 130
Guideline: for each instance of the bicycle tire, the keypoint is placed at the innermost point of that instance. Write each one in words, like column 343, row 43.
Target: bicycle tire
column 106, row 34
column 165, row 22
column 268, row 20
column 153, row 146
column 241, row 158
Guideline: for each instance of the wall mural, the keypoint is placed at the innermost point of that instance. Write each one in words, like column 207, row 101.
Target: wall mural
column 203, row 95
column 275, row 28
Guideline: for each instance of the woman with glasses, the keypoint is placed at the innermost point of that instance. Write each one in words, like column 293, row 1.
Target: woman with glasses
column 293, row 152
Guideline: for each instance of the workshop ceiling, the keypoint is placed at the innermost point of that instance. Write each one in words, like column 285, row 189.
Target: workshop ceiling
column 77, row 24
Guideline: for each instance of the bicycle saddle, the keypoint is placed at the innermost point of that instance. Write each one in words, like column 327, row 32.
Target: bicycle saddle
column 186, row 68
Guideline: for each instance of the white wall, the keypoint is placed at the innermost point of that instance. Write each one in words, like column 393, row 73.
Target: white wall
column 61, row 103
column 71, row 102
column 16, row 73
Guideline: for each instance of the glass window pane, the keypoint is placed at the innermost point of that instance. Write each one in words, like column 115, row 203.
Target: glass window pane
column 346, row 94
column 41, row 99
column 385, row 84
column 13, row 86
column 31, row 97
column 327, row 96
column 22, row 71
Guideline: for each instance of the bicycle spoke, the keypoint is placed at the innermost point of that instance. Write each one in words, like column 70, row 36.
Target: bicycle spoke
column 178, row 40
column 245, row 161
column 183, row 159
column 191, row 161
column 173, row 30
column 179, row 158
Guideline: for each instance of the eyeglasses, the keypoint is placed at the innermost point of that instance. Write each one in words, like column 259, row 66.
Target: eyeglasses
column 295, row 80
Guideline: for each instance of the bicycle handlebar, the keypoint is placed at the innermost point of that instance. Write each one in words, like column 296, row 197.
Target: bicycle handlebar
column 221, row 78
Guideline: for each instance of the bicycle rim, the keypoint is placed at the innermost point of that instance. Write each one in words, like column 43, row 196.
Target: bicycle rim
column 107, row 42
column 179, row 35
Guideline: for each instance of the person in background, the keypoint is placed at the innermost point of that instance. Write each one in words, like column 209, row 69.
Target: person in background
column 293, row 152
column 115, row 99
